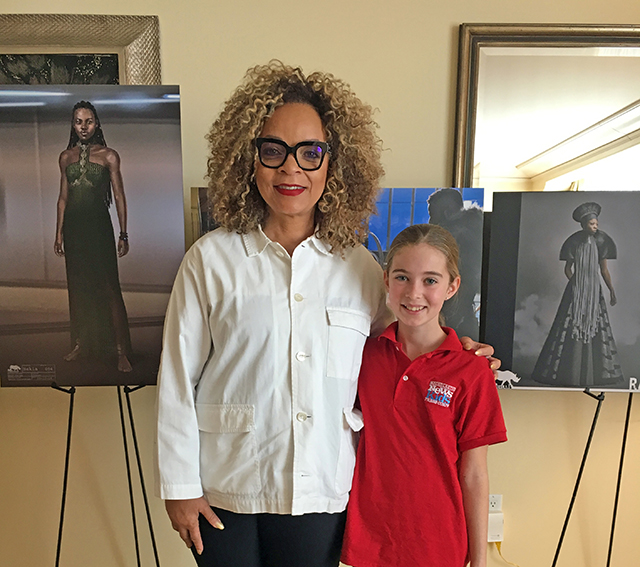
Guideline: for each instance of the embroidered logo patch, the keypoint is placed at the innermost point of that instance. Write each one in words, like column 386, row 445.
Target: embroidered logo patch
column 440, row 394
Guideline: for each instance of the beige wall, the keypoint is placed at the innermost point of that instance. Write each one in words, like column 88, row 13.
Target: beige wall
column 401, row 57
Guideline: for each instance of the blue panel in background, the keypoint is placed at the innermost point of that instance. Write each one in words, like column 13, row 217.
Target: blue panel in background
column 474, row 195
column 379, row 224
column 401, row 208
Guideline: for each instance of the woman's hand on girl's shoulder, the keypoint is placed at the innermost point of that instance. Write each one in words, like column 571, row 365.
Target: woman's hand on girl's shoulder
column 482, row 349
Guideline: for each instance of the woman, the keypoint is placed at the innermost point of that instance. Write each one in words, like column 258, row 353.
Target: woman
column 90, row 176
column 580, row 349
column 266, row 324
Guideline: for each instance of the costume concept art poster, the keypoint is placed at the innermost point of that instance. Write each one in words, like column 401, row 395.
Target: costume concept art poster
column 563, row 301
column 457, row 210
column 91, row 231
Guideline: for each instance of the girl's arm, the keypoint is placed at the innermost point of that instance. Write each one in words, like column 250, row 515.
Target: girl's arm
column 606, row 276
column 474, row 481
column 62, row 204
column 117, row 185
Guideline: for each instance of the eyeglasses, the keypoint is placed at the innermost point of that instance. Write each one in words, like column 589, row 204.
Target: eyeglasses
column 308, row 155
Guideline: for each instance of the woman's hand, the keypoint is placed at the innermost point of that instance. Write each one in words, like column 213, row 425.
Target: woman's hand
column 184, row 519
column 123, row 247
column 482, row 349
column 57, row 246
column 614, row 299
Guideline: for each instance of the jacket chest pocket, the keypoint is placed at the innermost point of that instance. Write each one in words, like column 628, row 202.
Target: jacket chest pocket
column 348, row 331
column 228, row 448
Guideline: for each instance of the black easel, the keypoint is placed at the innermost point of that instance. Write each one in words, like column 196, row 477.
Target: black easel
column 71, row 391
column 619, row 481
column 600, row 398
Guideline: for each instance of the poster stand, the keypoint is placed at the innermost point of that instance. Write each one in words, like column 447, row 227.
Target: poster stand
column 127, row 390
column 600, row 398
column 619, row 481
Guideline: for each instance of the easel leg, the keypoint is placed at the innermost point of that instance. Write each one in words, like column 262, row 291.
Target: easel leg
column 127, row 391
column 622, row 452
column 600, row 399
column 126, row 458
column 71, row 391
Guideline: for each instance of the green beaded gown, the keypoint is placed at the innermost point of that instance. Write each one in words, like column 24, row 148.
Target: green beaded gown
column 96, row 309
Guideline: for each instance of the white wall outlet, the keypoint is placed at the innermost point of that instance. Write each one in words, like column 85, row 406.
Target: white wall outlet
column 496, row 526
column 495, row 502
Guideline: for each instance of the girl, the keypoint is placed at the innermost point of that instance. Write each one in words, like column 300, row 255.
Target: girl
column 420, row 492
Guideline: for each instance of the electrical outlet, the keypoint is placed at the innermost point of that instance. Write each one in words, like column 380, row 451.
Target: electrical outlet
column 495, row 502
column 496, row 527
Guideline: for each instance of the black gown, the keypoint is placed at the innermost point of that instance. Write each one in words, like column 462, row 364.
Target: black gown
column 96, row 307
column 581, row 351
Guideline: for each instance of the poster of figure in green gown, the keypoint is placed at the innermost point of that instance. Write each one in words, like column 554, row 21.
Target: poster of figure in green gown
column 92, row 231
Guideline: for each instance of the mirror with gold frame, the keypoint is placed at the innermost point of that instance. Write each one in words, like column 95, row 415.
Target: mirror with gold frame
column 547, row 107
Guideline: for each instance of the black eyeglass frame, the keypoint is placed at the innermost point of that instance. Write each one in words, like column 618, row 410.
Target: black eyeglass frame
column 326, row 149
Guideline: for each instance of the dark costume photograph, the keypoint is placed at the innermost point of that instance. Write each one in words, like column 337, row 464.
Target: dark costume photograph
column 446, row 209
column 90, row 181
column 580, row 350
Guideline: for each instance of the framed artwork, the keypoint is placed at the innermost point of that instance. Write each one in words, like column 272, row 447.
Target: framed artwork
column 504, row 119
column 59, row 321
column 457, row 210
column 79, row 49
column 202, row 220
column 562, row 302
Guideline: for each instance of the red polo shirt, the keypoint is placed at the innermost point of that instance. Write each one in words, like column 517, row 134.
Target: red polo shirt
column 406, row 506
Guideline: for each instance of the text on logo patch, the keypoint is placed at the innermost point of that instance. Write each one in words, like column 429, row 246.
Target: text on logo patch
column 440, row 394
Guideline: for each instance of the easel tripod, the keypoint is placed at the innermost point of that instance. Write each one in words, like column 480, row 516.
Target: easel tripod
column 127, row 390
column 600, row 398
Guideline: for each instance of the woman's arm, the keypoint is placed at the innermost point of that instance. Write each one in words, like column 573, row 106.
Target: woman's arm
column 117, row 185
column 62, row 204
column 568, row 269
column 474, row 481
column 606, row 276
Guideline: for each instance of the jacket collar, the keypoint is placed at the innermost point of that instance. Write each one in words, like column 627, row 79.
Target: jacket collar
column 256, row 242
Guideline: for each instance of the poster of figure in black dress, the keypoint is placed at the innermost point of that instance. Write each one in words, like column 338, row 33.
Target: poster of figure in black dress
column 92, row 231
column 563, row 304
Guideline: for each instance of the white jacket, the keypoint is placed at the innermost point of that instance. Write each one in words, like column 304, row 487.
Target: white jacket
column 258, row 373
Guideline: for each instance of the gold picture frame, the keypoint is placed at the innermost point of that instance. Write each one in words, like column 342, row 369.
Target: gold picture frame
column 136, row 40
column 475, row 36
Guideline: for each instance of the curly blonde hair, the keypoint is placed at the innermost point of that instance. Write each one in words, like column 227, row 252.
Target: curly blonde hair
column 354, row 169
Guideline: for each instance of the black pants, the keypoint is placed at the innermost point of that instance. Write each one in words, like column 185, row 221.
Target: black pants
column 272, row 540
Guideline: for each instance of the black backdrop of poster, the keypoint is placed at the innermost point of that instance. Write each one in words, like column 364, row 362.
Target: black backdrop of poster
column 142, row 123
column 526, row 279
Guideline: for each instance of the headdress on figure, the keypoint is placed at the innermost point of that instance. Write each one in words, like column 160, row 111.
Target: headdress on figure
column 586, row 212
column 98, row 136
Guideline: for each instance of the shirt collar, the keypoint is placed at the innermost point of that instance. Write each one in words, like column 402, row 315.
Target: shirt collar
column 451, row 342
column 256, row 241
